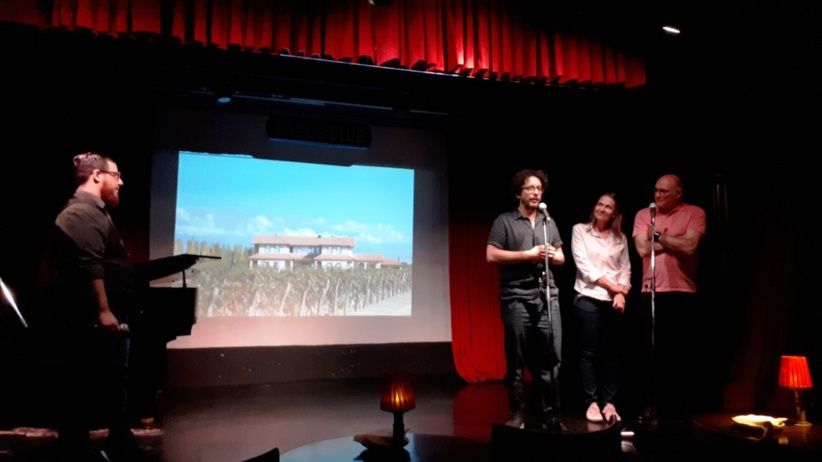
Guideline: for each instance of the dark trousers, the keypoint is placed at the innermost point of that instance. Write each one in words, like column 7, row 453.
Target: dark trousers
column 530, row 340
column 670, row 366
column 94, row 375
column 598, row 328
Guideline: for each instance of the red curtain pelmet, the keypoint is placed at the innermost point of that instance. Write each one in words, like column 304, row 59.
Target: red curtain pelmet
column 466, row 36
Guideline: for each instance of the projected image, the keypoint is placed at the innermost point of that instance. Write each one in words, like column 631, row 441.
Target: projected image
column 295, row 239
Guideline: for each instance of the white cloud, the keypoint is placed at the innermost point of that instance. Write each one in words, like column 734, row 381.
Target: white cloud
column 202, row 225
column 389, row 233
column 369, row 238
column 376, row 234
column 350, row 226
column 260, row 224
column 183, row 215
column 300, row 232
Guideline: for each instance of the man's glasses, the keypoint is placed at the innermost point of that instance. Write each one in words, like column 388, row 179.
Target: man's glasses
column 531, row 189
column 116, row 175
column 662, row 191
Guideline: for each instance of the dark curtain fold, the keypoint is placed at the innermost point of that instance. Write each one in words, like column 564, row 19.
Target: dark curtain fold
column 445, row 35
column 778, row 259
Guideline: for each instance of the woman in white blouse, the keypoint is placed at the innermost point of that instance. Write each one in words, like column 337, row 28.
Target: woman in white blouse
column 603, row 280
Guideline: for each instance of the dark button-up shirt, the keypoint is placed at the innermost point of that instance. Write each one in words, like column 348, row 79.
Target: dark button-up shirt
column 512, row 231
column 89, row 247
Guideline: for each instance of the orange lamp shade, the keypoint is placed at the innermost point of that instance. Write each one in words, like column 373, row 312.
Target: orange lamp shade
column 397, row 393
column 794, row 372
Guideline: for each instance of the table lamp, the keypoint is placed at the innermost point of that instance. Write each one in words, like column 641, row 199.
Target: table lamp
column 398, row 397
column 795, row 374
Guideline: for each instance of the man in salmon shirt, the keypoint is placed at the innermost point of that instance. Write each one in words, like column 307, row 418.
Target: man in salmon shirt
column 679, row 230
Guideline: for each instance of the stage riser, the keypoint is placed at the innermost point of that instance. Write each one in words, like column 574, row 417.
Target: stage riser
column 259, row 365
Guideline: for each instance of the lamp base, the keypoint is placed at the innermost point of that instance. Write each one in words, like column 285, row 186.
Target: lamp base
column 801, row 421
column 380, row 441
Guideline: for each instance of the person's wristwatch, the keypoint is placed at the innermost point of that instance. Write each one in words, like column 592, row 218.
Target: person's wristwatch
column 656, row 236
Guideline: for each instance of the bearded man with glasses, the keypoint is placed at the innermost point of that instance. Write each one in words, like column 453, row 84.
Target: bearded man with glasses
column 528, row 298
column 96, row 293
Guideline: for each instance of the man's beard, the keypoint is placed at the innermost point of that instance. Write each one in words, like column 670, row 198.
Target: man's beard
column 110, row 197
column 527, row 205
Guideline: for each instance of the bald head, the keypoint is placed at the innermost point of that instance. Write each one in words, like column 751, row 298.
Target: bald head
column 673, row 179
column 668, row 192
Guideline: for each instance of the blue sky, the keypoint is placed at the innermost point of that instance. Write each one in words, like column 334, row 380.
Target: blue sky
column 229, row 198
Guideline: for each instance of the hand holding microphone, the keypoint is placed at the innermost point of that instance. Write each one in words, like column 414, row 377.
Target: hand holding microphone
column 108, row 322
column 540, row 252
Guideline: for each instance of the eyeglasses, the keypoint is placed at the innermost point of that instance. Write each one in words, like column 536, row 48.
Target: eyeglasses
column 531, row 189
column 116, row 175
column 662, row 191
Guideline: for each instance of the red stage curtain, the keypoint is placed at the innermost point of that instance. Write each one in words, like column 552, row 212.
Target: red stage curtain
column 476, row 327
column 445, row 35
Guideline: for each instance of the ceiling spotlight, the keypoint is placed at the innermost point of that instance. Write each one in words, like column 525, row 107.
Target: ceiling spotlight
column 671, row 30
column 379, row 2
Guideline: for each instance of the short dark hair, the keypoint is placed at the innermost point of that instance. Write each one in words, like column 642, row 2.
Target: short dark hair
column 86, row 163
column 519, row 179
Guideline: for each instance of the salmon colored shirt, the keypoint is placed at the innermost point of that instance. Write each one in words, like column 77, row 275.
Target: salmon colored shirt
column 674, row 272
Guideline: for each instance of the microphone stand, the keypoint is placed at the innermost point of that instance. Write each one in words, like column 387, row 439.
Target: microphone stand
column 652, row 417
column 547, row 289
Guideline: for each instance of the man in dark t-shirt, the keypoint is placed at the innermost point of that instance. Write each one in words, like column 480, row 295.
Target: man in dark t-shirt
column 528, row 294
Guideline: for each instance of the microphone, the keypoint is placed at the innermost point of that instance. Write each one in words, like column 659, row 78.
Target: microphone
column 652, row 206
column 544, row 210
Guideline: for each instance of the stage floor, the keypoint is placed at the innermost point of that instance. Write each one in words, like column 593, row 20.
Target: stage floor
column 222, row 424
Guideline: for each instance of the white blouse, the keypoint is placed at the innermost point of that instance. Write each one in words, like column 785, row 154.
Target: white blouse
column 599, row 256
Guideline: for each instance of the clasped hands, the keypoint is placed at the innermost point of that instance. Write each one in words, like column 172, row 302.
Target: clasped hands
column 538, row 252
column 619, row 298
